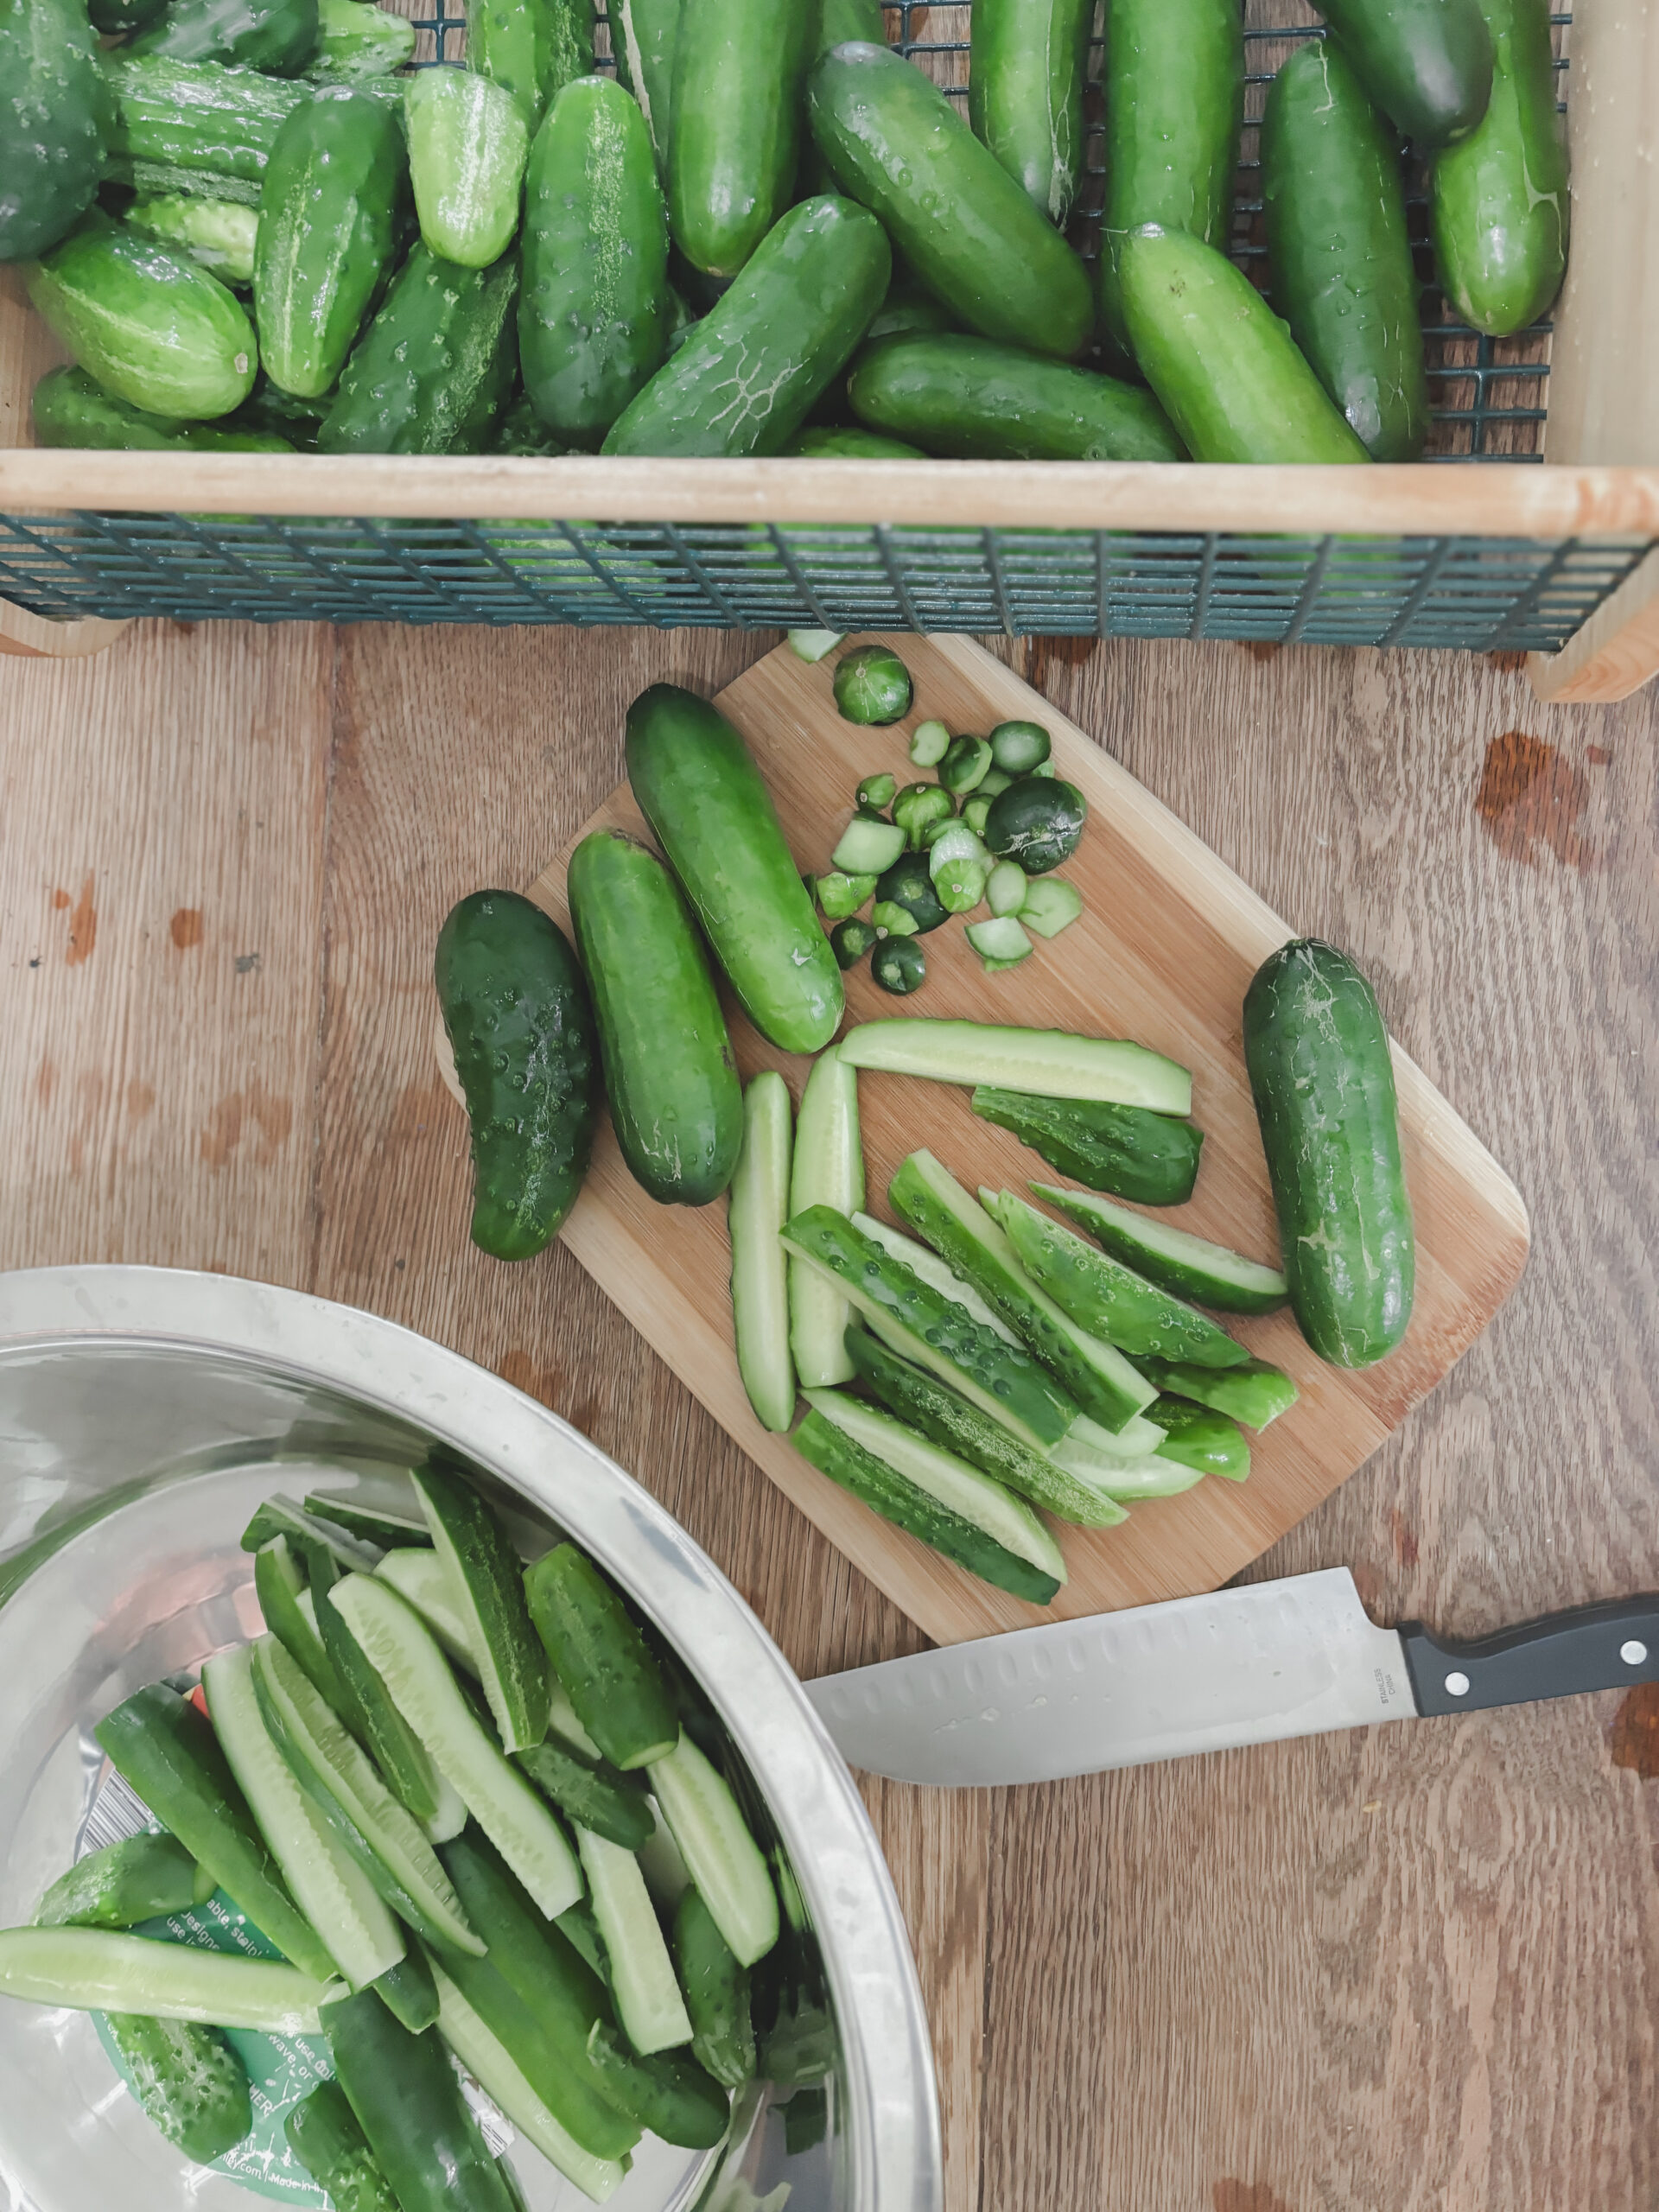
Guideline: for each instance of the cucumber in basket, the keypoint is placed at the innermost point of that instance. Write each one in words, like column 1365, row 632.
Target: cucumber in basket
column 731, row 157
column 69, row 408
column 645, row 38
column 468, row 143
column 1025, row 76
column 433, row 372
column 531, row 47
column 357, row 40
column 1427, row 63
column 52, row 150
column 196, row 116
column 279, row 36
column 970, row 399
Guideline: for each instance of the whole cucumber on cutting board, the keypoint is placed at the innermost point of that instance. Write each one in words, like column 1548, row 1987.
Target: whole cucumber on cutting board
column 521, row 1025
column 970, row 399
column 1025, row 73
column 1427, row 63
column 51, row 144
column 279, row 36
column 737, row 91
column 433, row 371
column 1320, row 1072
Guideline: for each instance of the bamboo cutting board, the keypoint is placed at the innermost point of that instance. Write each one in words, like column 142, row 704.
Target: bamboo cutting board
column 1167, row 942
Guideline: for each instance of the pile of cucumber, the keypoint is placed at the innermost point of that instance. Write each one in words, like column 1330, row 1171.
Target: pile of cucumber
column 255, row 230
column 470, row 1807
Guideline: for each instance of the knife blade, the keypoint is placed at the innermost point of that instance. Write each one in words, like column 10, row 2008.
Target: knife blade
column 1255, row 1664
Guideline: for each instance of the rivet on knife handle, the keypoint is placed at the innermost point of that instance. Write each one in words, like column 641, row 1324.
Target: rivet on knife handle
column 1591, row 1648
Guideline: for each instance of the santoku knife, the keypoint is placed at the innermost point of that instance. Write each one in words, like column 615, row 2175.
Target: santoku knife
column 1251, row 1665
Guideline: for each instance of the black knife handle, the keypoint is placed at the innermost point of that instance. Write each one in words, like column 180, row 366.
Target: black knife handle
column 1592, row 1648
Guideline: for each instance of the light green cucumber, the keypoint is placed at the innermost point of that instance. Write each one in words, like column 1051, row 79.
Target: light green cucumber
column 487, row 1579
column 533, row 47
column 468, row 143
column 758, row 1204
column 218, row 234
column 828, row 1171
column 101, row 1970
column 721, row 1855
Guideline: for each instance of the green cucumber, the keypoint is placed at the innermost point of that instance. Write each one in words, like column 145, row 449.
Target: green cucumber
column 1128, row 1482
column 1343, row 276
column 71, row 410
column 1096, row 1375
column 1050, row 1063
column 925, row 1324
column 325, row 1881
column 644, row 39
column 961, row 222
column 1499, row 206
column 117, row 17
column 593, row 312
column 670, row 1077
column 602, row 1658
column 152, row 327
column 922, row 1260
column 309, row 1535
column 850, row 444
column 328, row 216
column 104, row 1970
column 1255, row 1393
column 369, row 1710
column 533, row 47
column 1108, row 1299
column 716, row 1993
column 433, row 372
column 970, row 399
column 948, row 1505
column 191, row 2084
column 1126, row 1149
column 1224, row 366
column 946, row 1419
column 488, row 2059
column 899, row 966
column 747, row 375
column 408, row 1989
column 1196, row 1436
column 869, row 846
column 488, row 1581
column 408, row 2101
column 1322, row 1078
column 468, row 143
column 909, row 883
column 52, row 149
column 758, row 1206
column 386, row 1840
column 504, row 1805
column 1173, row 83
column 1025, row 74
column 1427, row 63
column 391, row 1522
column 425, row 1580
column 219, row 235
column 737, row 89
column 721, row 1855
column 168, row 1752
column 1039, row 822
column 195, row 115
column 357, row 40
column 828, row 1171
column 591, row 1793
column 698, row 787
column 669, row 2093
column 1207, row 1274
column 1051, row 905
column 279, row 36
column 141, row 1878
column 322, row 2132
column 649, row 2006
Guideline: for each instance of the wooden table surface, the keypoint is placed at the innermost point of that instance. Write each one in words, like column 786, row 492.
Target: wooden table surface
column 1416, row 1967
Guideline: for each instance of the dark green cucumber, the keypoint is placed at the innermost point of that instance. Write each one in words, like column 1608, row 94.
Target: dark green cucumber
column 668, row 2092
column 737, row 90
column 1173, row 81
column 669, row 1077
column 909, row 883
column 392, row 1521
column 645, row 39
column 141, row 1878
column 195, row 115
column 1224, row 366
column 433, row 372
column 847, row 1460
column 961, row 222
column 591, row 1793
column 534, row 48
column 115, row 18
column 1125, row 1149
column 52, row 123
column 370, row 1713
column 699, row 789
column 908, row 311
column 167, row 1750
column 279, row 36
column 358, row 39
column 1026, row 75
column 972, row 400
column 746, row 377
column 468, row 143
column 1323, row 1081
column 408, row 2100
column 192, row 2085
column 1427, row 63
column 593, row 312
column 716, row 1992
column 1342, row 269
column 521, row 1025
column 1499, row 202
column 71, row 409
column 279, row 1582
column 146, row 322
column 1208, row 1274
column 849, row 444
column 602, row 1658
column 409, row 1990
column 328, row 218
column 322, row 2132
column 1196, row 1436
column 487, row 1580
column 836, row 21
column 1255, row 1393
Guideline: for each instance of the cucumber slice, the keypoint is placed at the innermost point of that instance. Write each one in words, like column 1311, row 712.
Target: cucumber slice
column 648, row 2001
column 602, row 1658
column 1255, row 1393
column 828, row 1171
column 386, row 1840
column 562, row 1721
column 425, row 1579
column 1127, row 1480
column 956, row 841
column 511, row 1812
column 591, row 1793
column 925, row 1193
column 290, row 1617
column 328, row 1886
column 721, row 1856
column 1003, row 940
column 1173, row 1258
column 409, row 1992
column 1050, row 1061
column 813, row 646
column 1005, row 888
column 191, row 2084
column 487, row 2057
column 390, row 1524
column 141, row 1878
column 1195, row 1436
column 867, row 847
column 1148, row 1157
column 280, row 1516
column 665, row 1870
column 922, row 1261
column 670, row 2094
column 929, row 743
column 717, row 1995
column 757, row 1208
column 1136, row 1440
column 102, row 1970
column 1051, row 904
column 371, row 1714
column 488, row 1580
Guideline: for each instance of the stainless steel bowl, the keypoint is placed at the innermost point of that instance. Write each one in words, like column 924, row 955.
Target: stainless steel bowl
column 143, row 1413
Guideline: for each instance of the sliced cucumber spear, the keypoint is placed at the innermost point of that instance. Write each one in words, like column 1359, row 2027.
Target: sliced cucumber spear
column 102, row 1970
column 369, row 1712
column 1190, row 1266
column 716, row 1994
column 1255, row 1393
column 489, row 1586
column 828, row 1171
column 386, row 1521
column 1195, row 1436
column 280, row 1517
column 604, row 1662
column 757, row 1208
column 279, row 1585
column 1127, row 1480
column 648, row 2000
column 1050, row 1061
column 430, row 1585
column 721, row 1857
column 922, row 1261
